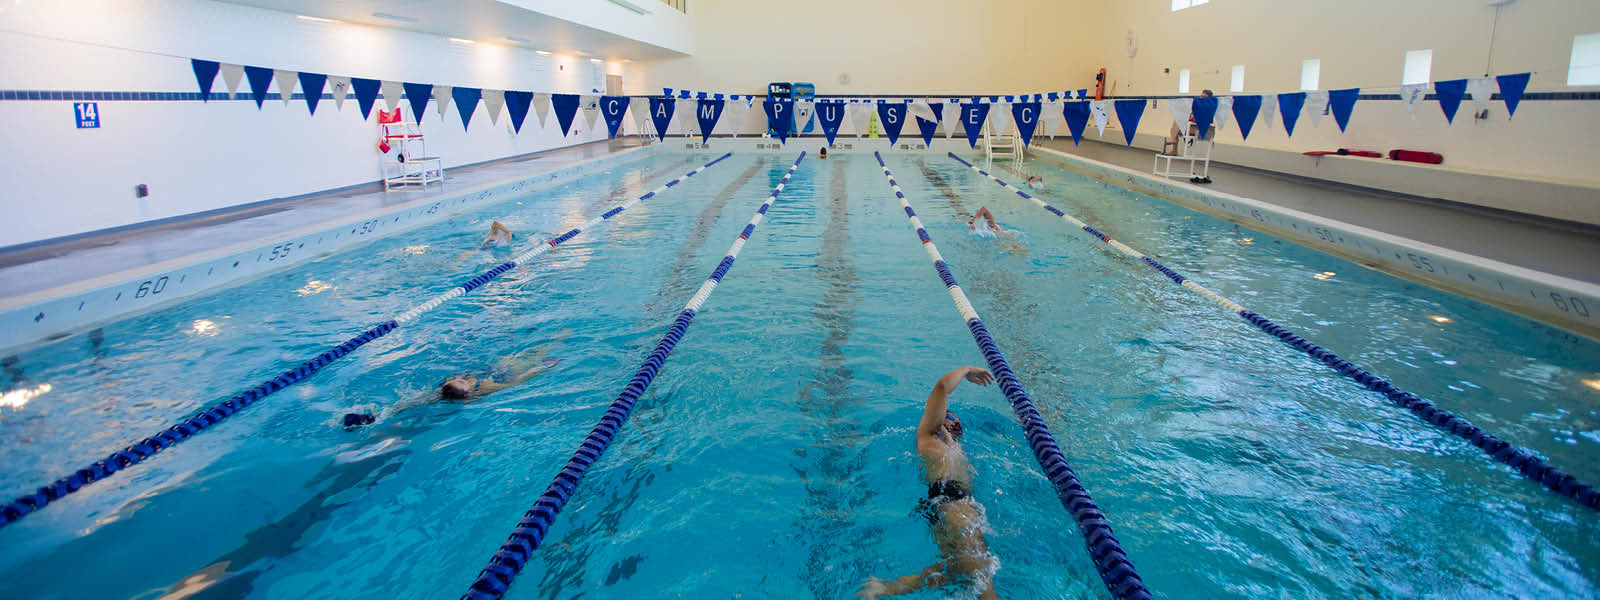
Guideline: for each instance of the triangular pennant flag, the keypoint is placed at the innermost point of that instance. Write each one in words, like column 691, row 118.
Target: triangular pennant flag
column 640, row 109
column 1224, row 108
column 927, row 129
column 311, row 84
column 1181, row 109
column 285, row 81
column 1083, row 94
column 687, row 124
column 366, row 91
column 1026, row 114
column 1316, row 106
column 614, row 108
column 780, row 117
column 339, row 85
column 661, row 110
column 1245, row 109
column 1128, row 113
column 1051, row 119
column 707, row 115
column 393, row 92
column 231, row 76
column 1205, row 112
column 441, row 101
column 1411, row 94
column 591, row 109
column 735, row 110
column 566, row 107
column 1000, row 117
column 493, row 100
column 860, row 118
column 1449, row 94
column 260, row 79
column 466, row 102
column 1342, row 103
column 921, row 110
column 1077, row 116
column 541, row 107
column 1100, row 111
column 1289, row 106
column 1482, row 89
column 1511, row 88
column 1269, row 109
column 893, row 117
column 417, row 94
column 517, row 104
column 830, row 115
column 205, row 72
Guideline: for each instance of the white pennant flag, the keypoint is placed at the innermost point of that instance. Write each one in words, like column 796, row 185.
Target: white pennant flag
column 340, row 86
column 493, row 101
column 231, row 75
column 1052, row 117
column 1181, row 108
column 1316, row 106
column 640, row 109
column 1097, row 109
column 541, row 106
column 952, row 116
column 1481, row 88
column 285, row 81
column 734, row 112
column 1411, row 94
column 684, row 116
column 591, row 109
column 441, row 99
column 1269, row 108
column 1224, row 110
column 921, row 110
column 1000, row 117
column 860, row 116
column 392, row 90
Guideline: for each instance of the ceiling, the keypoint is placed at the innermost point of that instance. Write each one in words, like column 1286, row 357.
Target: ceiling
column 485, row 21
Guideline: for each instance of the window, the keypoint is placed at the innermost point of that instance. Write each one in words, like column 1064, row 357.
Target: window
column 1310, row 71
column 1183, row 81
column 1585, row 66
column 1236, row 80
column 1419, row 64
column 1178, row 5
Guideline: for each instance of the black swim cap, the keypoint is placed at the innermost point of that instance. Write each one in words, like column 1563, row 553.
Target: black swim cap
column 358, row 419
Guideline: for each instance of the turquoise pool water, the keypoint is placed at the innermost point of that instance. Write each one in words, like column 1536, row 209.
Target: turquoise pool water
column 773, row 455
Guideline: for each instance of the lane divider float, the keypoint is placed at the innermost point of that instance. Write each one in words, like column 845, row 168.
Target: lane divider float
column 1523, row 460
column 1115, row 569
column 216, row 413
column 496, row 578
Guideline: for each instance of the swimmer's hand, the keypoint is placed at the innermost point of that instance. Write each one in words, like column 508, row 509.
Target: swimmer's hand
column 979, row 376
column 872, row 589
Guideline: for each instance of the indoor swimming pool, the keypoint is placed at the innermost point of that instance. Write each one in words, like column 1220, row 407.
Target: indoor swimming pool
column 773, row 455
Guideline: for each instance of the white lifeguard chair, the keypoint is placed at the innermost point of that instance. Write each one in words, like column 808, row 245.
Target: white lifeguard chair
column 1001, row 144
column 407, row 162
column 1191, row 148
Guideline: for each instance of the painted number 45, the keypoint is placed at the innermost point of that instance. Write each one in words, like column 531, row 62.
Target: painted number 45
column 88, row 114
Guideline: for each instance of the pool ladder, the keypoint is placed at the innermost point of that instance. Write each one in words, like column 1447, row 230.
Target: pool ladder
column 1001, row 145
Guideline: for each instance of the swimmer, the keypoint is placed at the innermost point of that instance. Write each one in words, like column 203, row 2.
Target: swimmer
column 986, row 225
column 957, row 518
column 1036, row 182
column 468, row 387
column 823, row 153
column 497, row 233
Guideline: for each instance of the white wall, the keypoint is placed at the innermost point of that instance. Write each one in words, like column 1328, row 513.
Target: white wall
column 662, row 26
column 201, row 156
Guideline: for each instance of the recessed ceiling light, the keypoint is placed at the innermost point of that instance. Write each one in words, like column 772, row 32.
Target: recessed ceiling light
column 580, row 53
column 631, row 6
column 317, row 19
column 461, row 41
column 517, row 39
column 394, row 17
column 596, row 60
column 543, row 52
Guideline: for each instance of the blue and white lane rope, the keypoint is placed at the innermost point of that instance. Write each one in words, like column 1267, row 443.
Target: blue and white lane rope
column 1116, row 571
column 496, row 577
column 1521, row 459
column 220, row 411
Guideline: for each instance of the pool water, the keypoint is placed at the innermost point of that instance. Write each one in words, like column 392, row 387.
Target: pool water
column 773, row 456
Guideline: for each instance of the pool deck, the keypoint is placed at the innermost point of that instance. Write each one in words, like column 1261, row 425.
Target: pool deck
column 1557, row 247
column 29, row 268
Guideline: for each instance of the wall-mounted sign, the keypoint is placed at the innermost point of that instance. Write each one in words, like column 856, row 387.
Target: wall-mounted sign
column 88, row 114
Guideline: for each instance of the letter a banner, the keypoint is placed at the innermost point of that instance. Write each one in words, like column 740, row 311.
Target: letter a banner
column 661, row 114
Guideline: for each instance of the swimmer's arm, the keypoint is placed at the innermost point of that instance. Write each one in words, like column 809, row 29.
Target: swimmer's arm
column 931, row 576
column 939, row 398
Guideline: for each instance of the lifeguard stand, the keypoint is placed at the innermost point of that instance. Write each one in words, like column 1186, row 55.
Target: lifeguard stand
column 1192, row 148
column 410, row 163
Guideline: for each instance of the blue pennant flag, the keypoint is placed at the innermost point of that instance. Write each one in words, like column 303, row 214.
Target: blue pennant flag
column 205, row 72
column 1289, row 106
column 259, row 78
column 1083, row 94
column 1343, row 102
column 661, row 114
column 928, row 128
column 707, row 115
column 418, row 94
column 1245, row 109
column 973, row 114
column 830, row 115
column 466, row 100
column 613, row 108
column 311, row 84
column 517, row 103
column 1077, row 114
column 893, row 117
column 1450, row 93
column 1204, row 111
column 366, row 94
column 780, row 117
column 1026, row 115
column 566, row 107
column 1128, row 113
column 1511, row 88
